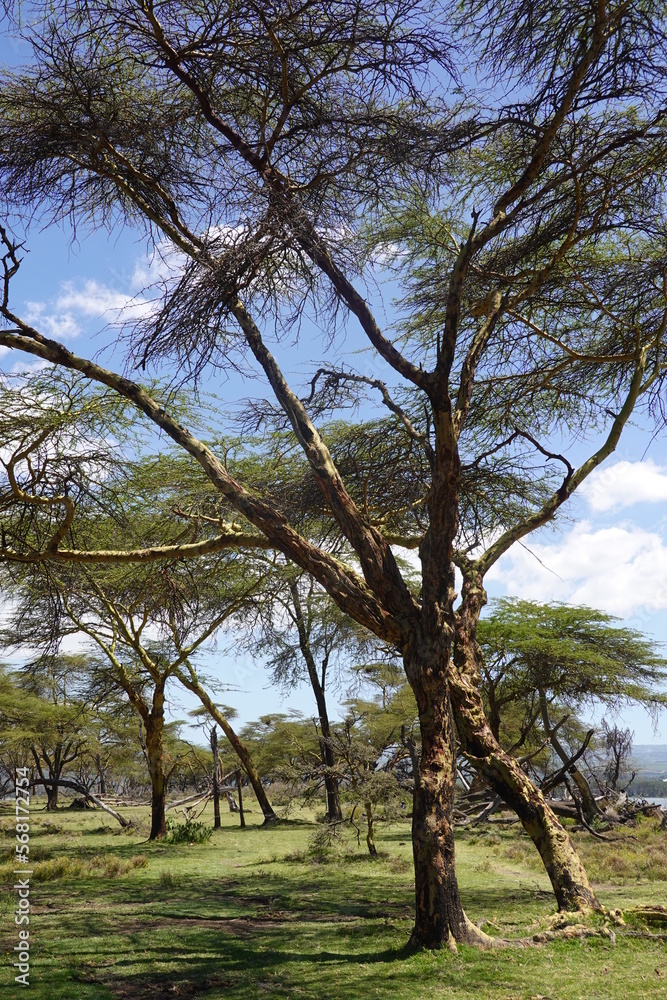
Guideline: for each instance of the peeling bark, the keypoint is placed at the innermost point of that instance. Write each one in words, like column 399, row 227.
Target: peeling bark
column 439, row 916
column 562, row 863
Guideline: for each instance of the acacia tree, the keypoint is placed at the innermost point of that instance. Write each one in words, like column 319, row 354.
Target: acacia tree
column 618, row 746
column 555, row 660
column 278, row 149
column 43, row 715
column 374, row 743
column 147, row 628
column 304, row 633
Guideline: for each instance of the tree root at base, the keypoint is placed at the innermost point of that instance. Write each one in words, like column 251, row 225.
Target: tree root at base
column 561, row 927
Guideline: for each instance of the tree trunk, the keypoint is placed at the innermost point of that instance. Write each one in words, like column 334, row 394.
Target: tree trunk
column 370, row 840
column 51, row 790
column 237, row 745
column 240, row 794
column 100, row 772
column 68, row 783
column 562, row 863
column 216, row 791
column 588, row 803
column 156, row 767
column 334, row 812
column 439, row 915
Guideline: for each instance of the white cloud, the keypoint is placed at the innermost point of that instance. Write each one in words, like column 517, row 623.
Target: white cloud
column 165, row 264
column 621, row 569
column 26, row 367
column 59, row 325
column 61, row 317
column 93, row 298
column 624, row 484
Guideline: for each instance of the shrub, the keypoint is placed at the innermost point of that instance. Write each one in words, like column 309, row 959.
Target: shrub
column 57, row 868
column 189, row 832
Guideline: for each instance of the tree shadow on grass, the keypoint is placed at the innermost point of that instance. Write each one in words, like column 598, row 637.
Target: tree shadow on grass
column 207, row 961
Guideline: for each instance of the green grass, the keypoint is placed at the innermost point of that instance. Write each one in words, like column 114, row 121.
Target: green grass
column 254, row 913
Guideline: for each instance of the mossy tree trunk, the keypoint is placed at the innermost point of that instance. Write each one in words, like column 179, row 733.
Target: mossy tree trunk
column 568, row 877
column 439, row 915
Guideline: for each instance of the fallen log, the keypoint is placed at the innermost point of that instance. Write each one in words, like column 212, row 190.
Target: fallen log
column 68, row 783
column 563, row 809
column 199, row 797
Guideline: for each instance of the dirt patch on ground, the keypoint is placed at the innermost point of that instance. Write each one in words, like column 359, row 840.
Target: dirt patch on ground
column 157, row 987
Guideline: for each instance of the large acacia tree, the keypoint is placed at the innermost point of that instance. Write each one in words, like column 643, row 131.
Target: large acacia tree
column 289, row 151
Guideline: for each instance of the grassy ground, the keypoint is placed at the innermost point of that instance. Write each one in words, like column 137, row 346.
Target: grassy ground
column 254, row 913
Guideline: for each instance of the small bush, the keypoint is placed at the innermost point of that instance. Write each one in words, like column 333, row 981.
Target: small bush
column 41, row 853
column 189, row 832
column 641, row 854
column 52, row 828
column 99, row 866
column 57, row 868
column 324, row 844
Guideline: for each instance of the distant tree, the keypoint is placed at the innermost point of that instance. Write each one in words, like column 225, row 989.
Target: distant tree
column 617, row 744
column 44, row 718
column 375, row 741
column 304, row 635
column 147, row 625
column 543, row 664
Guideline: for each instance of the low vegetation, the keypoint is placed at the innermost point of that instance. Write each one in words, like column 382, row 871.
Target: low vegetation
column 285, row 912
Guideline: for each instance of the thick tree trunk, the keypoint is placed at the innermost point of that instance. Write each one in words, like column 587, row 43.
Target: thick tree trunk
column 562, row 863
column 568, row 877
column 439, row 915
column 158, row 785
column 51, row 797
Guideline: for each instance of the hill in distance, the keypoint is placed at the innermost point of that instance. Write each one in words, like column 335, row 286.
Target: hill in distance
column 649, row 760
